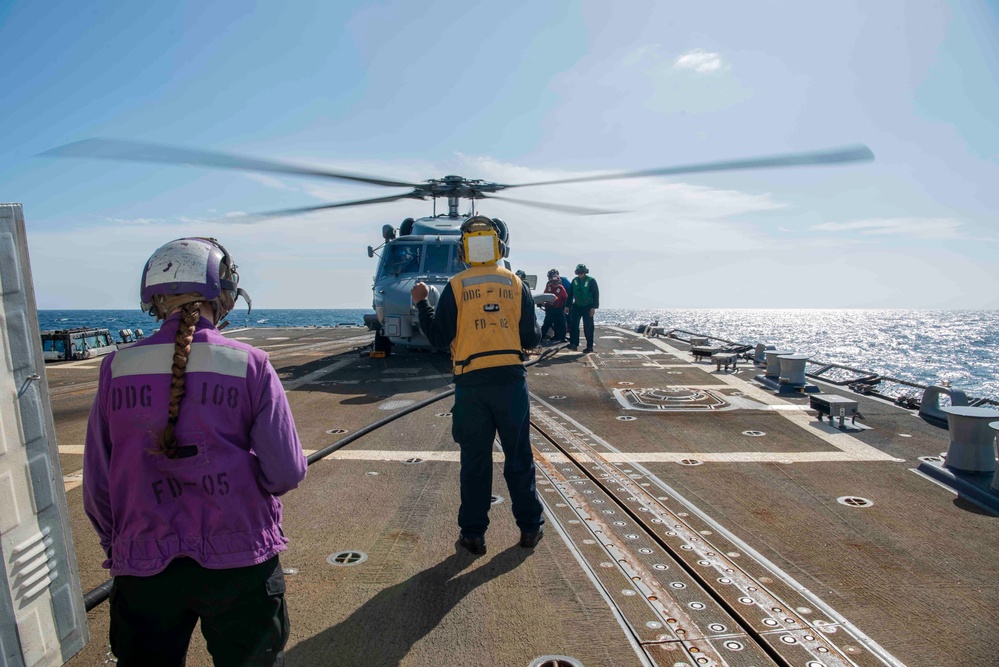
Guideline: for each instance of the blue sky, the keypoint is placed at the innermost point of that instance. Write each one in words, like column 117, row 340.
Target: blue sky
column 525, row 91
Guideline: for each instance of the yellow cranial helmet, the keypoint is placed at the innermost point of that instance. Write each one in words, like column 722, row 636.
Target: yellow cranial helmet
column 483, row 240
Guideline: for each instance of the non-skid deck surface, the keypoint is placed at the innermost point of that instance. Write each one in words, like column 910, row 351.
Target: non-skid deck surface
column 876, row 562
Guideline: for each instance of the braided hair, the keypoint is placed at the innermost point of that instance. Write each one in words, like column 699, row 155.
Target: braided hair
column 190, row 314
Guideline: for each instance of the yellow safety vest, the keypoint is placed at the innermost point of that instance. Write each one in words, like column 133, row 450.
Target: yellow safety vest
column 488, row 332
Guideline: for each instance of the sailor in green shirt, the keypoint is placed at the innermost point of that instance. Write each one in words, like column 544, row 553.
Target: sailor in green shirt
column 583, row 301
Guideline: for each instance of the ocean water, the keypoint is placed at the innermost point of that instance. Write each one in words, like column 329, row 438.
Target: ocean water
column 921, row 346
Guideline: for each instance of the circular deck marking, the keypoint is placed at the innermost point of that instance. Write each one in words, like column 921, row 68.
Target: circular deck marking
column 904, row 435
column 697, row 605
column 733, row 646
column 290, row 571
column 410, row 462
column 443, row 414
column 626, row 384
column 557, row 398
column 654, row 625
column 717, row 627
column 661, row 566
column 335, row 431
column 691, row 462
column 495, row 500
column 626, row 418
column 754, row 434
column 372, row 473
column 931, row 459
column 854, row 501
column 555, row 661
column 346, row 558
column 541, row 373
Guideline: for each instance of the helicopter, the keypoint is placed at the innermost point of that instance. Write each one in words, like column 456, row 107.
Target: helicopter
column 423, row 249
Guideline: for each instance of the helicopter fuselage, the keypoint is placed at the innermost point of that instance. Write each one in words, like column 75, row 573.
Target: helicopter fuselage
column 425, row 250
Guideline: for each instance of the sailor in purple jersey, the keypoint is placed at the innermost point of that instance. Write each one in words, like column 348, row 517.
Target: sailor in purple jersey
column 189, row 444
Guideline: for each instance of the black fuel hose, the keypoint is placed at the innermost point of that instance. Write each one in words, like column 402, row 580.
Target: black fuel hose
column 98, row 595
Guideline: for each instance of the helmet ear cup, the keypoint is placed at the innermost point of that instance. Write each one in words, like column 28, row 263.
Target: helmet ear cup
column 504, row 236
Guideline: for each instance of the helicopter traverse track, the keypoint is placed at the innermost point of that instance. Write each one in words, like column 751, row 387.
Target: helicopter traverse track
column 682, row 587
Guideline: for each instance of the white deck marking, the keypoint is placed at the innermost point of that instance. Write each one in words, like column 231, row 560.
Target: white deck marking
column 73, row 479
column 291, row 385
column 83, row 363
column 849, row 448
column 278, row 338
column 396, row 455
column 71, row 449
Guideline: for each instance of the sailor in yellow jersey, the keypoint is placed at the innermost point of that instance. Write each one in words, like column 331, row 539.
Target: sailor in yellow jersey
column 486, row 316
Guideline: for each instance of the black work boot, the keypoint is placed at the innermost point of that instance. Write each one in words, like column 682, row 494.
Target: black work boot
column 530, row 538
column 476, row 545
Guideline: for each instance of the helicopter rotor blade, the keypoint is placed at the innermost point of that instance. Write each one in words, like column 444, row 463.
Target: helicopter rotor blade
column 561, row 208
column 135, row 151
column 859, row 153
column 255, row 217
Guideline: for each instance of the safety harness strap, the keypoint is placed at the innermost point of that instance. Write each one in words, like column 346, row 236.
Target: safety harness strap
column 465, row 362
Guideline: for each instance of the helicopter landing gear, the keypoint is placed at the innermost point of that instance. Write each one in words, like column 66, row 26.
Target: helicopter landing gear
column 383, row 346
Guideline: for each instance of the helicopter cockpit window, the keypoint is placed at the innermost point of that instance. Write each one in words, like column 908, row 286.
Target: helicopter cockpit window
column 457, row 266
column 403, row 258
column 436, row 261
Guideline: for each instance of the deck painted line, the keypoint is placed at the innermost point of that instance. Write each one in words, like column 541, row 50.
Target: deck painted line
column 291, row 385
column 418, row 378
column 71, row 449
column 797, row 415
column 73, row 479
column 610, row 457
column 279, row 338
column 395, row 455
column 83, row 363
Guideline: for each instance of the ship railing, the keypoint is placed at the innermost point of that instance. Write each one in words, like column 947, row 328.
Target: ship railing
column 864, row 382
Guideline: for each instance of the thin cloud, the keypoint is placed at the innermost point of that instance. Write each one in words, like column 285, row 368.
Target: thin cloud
column 699, row 61
column 916, row 228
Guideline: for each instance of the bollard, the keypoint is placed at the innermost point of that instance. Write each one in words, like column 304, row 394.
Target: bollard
column 760, row 356
column 773, row 363
column 929, row 405
column 972, row 441
column 792, row 369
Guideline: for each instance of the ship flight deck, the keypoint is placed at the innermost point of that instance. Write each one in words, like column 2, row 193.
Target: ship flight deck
column 694, row 517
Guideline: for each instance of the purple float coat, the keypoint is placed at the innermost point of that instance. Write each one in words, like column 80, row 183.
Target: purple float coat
column 217, row 503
